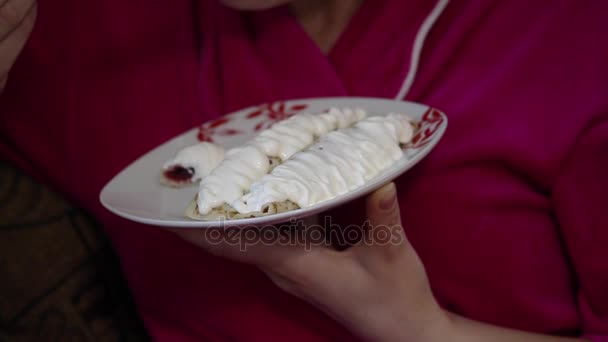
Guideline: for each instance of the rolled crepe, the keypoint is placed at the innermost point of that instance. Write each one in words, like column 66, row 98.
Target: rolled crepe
column 339, row 162
column 247, row 164
column 191, row 164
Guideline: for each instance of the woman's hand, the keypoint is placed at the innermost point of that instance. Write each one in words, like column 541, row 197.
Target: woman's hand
column 377, row 288
column 17, row 18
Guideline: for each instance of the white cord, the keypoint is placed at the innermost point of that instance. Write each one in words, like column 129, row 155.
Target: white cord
column 426, row 26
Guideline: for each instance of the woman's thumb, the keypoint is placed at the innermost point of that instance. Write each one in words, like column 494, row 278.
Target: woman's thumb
column 383, row 231
column 382, row 207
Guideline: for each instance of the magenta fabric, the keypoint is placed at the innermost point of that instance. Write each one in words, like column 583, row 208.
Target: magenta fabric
column 507, row 214
column 596, row 338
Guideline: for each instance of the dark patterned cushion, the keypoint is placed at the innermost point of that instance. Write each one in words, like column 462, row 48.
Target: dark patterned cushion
column 59, row 279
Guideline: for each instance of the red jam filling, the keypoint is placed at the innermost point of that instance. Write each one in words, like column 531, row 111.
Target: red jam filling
column 180, row 174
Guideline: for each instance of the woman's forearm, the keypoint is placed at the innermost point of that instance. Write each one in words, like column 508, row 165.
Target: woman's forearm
column 380, row 292
column 463, row 329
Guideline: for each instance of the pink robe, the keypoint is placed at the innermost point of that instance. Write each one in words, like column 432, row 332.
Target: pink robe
column 508, row 213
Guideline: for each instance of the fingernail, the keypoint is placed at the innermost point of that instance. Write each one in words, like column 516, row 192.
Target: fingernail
column 388, row 196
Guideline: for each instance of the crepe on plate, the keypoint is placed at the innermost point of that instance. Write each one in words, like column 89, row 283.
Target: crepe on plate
column 300, row 162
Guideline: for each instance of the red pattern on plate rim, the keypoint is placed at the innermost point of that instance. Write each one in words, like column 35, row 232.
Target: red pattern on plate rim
column 427, row 127
column 213, row 128
column 277, row 111
column 270, row 113
column 274, row 112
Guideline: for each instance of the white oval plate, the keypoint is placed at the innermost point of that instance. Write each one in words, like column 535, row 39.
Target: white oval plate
column 136, row 193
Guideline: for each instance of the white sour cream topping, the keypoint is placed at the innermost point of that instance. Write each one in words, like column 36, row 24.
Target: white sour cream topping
column 338, row 163
column 247, row 164
column 202, row 158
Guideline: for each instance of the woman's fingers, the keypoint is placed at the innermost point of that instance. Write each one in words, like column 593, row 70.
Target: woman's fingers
column 382, row 206
column 298, row 259
column 17, row 18
column 295, row 250
column 383, row 235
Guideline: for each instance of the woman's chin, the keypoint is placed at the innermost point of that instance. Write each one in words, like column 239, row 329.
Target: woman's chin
column 253, row 5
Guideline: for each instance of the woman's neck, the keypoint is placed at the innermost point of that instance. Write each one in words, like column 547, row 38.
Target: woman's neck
column 325, row 20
